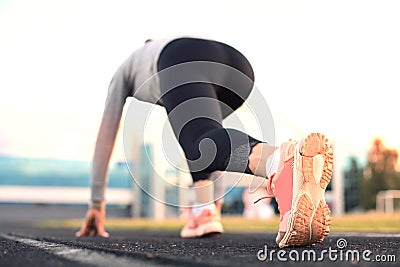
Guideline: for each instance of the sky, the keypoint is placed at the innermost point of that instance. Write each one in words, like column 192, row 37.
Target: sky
column 329, row 66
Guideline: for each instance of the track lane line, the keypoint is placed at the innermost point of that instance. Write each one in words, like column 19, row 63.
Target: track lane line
column 85, row 256
column 362, row 234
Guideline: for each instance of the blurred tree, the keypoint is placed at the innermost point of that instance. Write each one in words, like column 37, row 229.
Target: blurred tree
column 352, row 185
column 380, row 173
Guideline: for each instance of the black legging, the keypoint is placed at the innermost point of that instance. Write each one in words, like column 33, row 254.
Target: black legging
column 196, row 110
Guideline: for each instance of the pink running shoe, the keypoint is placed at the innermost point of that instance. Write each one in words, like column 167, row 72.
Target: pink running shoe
column 304, row 171
column 208, row 222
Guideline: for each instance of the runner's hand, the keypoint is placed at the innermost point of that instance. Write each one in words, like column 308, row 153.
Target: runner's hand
column 94, row 223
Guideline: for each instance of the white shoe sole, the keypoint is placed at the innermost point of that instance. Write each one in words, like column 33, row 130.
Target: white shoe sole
column 309, row 220
column 203, row 230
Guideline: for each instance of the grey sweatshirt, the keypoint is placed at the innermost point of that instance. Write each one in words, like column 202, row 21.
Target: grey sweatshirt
column 138, row 68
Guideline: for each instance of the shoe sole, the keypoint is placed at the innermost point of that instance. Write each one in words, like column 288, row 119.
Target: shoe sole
column 210, row 228
column 310, row 220
column 204, row 230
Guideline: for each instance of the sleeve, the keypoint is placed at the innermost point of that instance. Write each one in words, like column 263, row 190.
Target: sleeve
column 118, row 92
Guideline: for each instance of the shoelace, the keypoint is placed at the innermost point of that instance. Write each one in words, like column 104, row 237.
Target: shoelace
column 268, row 196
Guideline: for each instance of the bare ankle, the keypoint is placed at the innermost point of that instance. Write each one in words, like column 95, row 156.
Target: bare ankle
column 258, row 158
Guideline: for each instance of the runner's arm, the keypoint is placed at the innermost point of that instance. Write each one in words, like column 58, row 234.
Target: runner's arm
column 116, row 98
column 95, row 217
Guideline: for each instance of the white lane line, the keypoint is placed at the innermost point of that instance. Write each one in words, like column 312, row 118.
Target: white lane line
column 360, row 234
column 85, row 256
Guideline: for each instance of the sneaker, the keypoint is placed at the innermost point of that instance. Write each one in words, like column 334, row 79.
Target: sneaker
column 304, row 171
column 207, row 223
